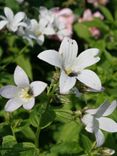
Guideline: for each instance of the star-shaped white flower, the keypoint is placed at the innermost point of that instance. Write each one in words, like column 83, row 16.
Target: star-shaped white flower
column 23, row 93
column 96, row 119
column 73, row 67
column 11, row 21
column 38, row 30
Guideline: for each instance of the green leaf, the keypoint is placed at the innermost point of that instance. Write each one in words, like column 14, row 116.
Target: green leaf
column 21, row 149
column 100, row 44
column 28, row 132
column 9, row 141
column 47, row 118
column 12, row 4
column 86, row 143
column 69, row 132
column 98, row 24
column 35, row 115
column 82, row 31
column 26, row 149
column 66, row 148
column 24, row 62
column 106, row 13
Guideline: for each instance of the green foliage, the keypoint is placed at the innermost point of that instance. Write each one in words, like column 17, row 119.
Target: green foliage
column 53, row 127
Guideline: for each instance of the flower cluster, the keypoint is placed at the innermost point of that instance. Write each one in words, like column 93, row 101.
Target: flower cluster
column 72, row 68
column 54, row 23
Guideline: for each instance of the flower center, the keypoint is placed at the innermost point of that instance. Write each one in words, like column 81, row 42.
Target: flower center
column 70, row 72
column 38, row 33
column 26, row 93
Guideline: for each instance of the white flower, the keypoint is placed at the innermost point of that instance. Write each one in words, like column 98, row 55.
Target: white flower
column 20, row 1
column 11, row 21
column 59, row 21
column 37, row 30
column 73, row 67
column 46, row 14
column 96, row 119
column 22, row 94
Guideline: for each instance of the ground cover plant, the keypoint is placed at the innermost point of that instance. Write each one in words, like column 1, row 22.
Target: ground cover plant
column 58, row 78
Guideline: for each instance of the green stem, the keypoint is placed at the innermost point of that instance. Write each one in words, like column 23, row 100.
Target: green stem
column 9, row 120
column 37, row 136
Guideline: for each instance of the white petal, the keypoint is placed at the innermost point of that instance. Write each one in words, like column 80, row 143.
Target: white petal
column 20, row 77
column 9, row 91
column 99, row 138
column 107, row 124
column 40, row 39
column 3, row 23
column 34, row 24
column 19, row 17
column 91, row 111
column 49, row 30
column 22, row 24
column 111, row 108
column 102, row 108
column 29, row 104
column 13, row 104
column 9, row 14
column 88, row 121
column 38, row 87
column 90, row 79
column 68, row 50
column 52, row 57
column 86, row 59
column 66, row 83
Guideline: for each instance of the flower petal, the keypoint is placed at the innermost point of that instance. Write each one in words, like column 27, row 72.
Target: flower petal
column 9, row 14
column 13, row 104
column 29, row 104
column 49, row 30
column 3, row 23
column 20, row 77
column 66, row 83
column 86, row 59
column 52, row 57
column 88, row 121
column 9, row 91
column 90, row 79
column 38, row 87
column 107, row 124
column 99, row 138
column 68, row 50
column 102, row 108
column 19, row 17
column 91, row 111
column 111, row 108
column 40, row 39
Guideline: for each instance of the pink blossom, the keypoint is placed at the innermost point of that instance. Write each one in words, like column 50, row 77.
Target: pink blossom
column 65, row 18
column 89, row 16
column 97, row 2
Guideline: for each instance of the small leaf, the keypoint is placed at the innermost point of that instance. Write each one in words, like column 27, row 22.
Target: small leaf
column 28, row 132
column 66, row 148
column 82, row 31
column 69, row 132
column 86, row 143
column 106, row 13
column 24, row 62
column 47, row 118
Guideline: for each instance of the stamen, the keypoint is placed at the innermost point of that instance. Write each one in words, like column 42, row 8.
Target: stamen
column 26, row 93
column 70, row 73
